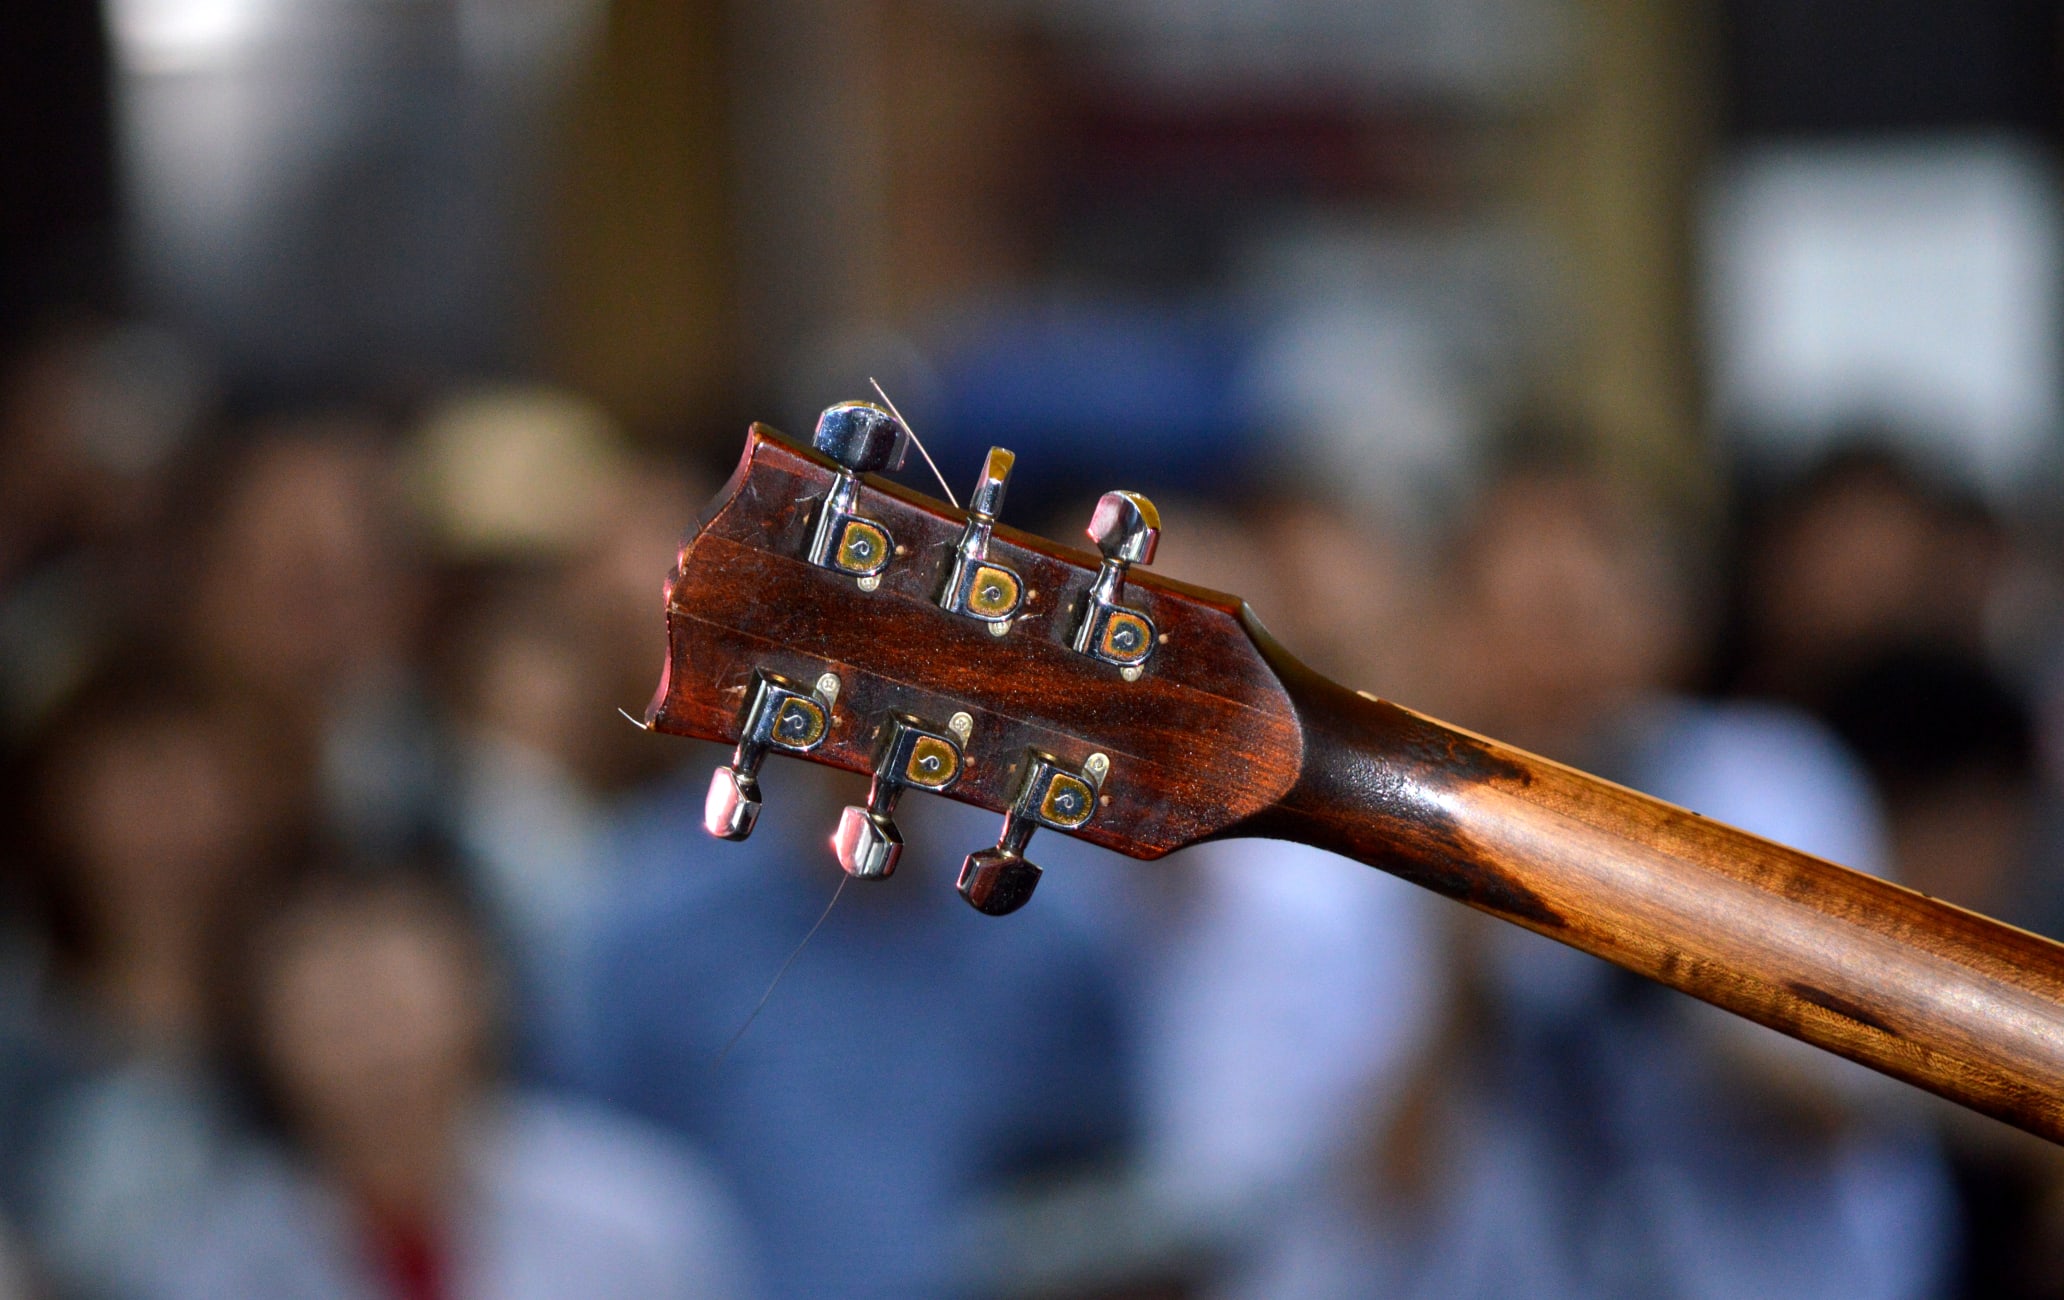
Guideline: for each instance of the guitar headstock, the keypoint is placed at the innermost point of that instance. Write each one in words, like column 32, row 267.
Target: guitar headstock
column 853, row 622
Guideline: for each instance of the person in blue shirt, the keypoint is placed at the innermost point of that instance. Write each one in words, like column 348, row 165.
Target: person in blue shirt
column 918, row 1060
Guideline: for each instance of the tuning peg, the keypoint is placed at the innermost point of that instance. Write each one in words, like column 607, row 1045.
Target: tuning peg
column 999, row 881
column 779, row 714
column 910, row 753
column 975, row 585
column 1125, row 528
column 861, row 438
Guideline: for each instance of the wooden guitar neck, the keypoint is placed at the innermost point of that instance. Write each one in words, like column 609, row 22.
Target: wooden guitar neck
column 1954, row 1002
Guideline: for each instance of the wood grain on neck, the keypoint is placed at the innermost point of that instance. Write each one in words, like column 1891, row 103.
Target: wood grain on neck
column 1924, row 991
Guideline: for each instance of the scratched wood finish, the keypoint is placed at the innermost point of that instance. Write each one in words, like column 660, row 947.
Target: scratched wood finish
column 1203, row 739
column 1959, row 1004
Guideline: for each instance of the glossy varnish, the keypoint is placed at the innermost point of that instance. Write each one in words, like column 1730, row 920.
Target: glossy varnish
column 1201, row 740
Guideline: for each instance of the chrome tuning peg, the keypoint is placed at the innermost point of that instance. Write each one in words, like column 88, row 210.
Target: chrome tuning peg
column 779, row 714
column 910, row 753
column 1125, row 528
column 863, row 439
column 975, row 585
column 998, row 881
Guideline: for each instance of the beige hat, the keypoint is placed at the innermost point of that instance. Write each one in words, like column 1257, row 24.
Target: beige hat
column 515, row 473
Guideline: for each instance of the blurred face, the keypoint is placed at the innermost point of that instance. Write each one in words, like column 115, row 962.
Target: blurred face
column 64, row 473
column 1564, row 615
column 1851, row 571
column 616, row 612
column 548, row 662
column 159, row 817
column 301, row 582
column 1206, row 546
column 43, row 471
column 1966, row 841
column 1340, row 596
column 372, row 1019
column 528, row 684
column 625, row 577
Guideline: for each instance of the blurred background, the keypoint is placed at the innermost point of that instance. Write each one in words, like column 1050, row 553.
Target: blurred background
column 1676, row 390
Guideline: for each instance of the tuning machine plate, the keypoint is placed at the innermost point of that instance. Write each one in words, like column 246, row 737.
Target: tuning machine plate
column 910, row 754
column 998, row 881
column 780, row 714
column 977, row 586
column 1125, row 528
column 863, row 439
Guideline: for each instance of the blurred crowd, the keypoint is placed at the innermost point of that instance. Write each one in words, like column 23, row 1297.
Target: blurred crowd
column 354, row 945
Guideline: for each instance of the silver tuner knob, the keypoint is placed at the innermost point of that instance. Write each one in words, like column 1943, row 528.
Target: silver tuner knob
column 911, row 753
column 1125, row 528
column 975, row 585
column 861, row 438
column 779, row 715
column 998, row 881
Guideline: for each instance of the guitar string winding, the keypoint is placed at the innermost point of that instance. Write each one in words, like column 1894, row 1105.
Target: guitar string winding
column 776, row 981
column 914, row 438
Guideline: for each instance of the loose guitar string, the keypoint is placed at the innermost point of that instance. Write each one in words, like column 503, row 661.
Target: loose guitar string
column 825, row 915
column 776, row 981
column 914, row 438
column 843, row 878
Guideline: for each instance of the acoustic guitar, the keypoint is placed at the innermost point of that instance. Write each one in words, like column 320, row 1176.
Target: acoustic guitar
column 823, row 612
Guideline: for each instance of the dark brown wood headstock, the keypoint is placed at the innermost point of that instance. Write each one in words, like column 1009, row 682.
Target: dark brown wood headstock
column 1203, row 739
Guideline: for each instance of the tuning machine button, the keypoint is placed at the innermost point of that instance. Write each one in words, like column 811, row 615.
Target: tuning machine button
column 911, row 753
column 863, row 439
column 1125, row 528
column 779, row 714
column 975, row 585
column 999, row 881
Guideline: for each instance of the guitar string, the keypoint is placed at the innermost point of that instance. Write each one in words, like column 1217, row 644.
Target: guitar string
column 914, row 438
column 776, row 981
column 836, row 893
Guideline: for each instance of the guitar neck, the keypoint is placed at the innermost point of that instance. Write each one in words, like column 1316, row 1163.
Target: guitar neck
column 1943, row 998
